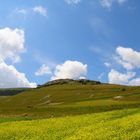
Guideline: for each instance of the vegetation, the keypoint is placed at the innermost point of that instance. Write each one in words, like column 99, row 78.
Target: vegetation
column 71, row 98
column 114, row 125
column 12, row 91
column 70, row 81
column 70, row 110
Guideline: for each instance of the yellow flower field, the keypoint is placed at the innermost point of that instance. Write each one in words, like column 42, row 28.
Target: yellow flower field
column 114, row 125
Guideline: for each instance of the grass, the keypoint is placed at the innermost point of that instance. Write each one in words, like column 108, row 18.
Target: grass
column 113, row 125
column 69, row 99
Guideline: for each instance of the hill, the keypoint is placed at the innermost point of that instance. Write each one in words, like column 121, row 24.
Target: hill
column 69, row 97
column 71, row 81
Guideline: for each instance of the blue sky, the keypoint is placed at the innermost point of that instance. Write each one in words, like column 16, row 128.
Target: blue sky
column 94, row 39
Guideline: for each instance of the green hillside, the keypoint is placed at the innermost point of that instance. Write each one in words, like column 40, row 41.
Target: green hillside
column 69, row 97
column 114, row 125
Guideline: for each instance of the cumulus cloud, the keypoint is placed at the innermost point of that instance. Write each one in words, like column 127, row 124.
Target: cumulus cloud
column 72, row 1
column 116, row 77
column 11, row 44
column 135, row 82
column 44, row 69
column 70, row 69
column 109, row 3
column 41, row 10
column 128, row 57
column 10, row 77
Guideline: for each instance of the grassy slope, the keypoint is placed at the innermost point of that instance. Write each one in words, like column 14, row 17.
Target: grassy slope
column 114, row 125
column 69, row 99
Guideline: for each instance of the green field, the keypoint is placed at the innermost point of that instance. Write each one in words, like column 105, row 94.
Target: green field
column 114, row 125
column 71, row 110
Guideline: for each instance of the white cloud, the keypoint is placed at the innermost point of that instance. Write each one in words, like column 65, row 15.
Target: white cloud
column 107, row 64
column 101, row 76
column 21, row 11
column 11, row 44
column 82, row 77
column 72, row 1
column 37, row 9
column 106, row 3
column 135, row 82
column 126, row 65
column 121, row 1
column 116, row 77
column 70, row 69
column 10, row 77
column 41, row 10
column 109, row 3
column 128, row 58
column 44, row 69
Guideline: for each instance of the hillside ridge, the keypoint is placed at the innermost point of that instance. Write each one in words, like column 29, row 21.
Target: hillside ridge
column 70, row 81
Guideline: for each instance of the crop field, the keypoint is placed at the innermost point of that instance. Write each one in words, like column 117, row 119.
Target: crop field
column 113, row 125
